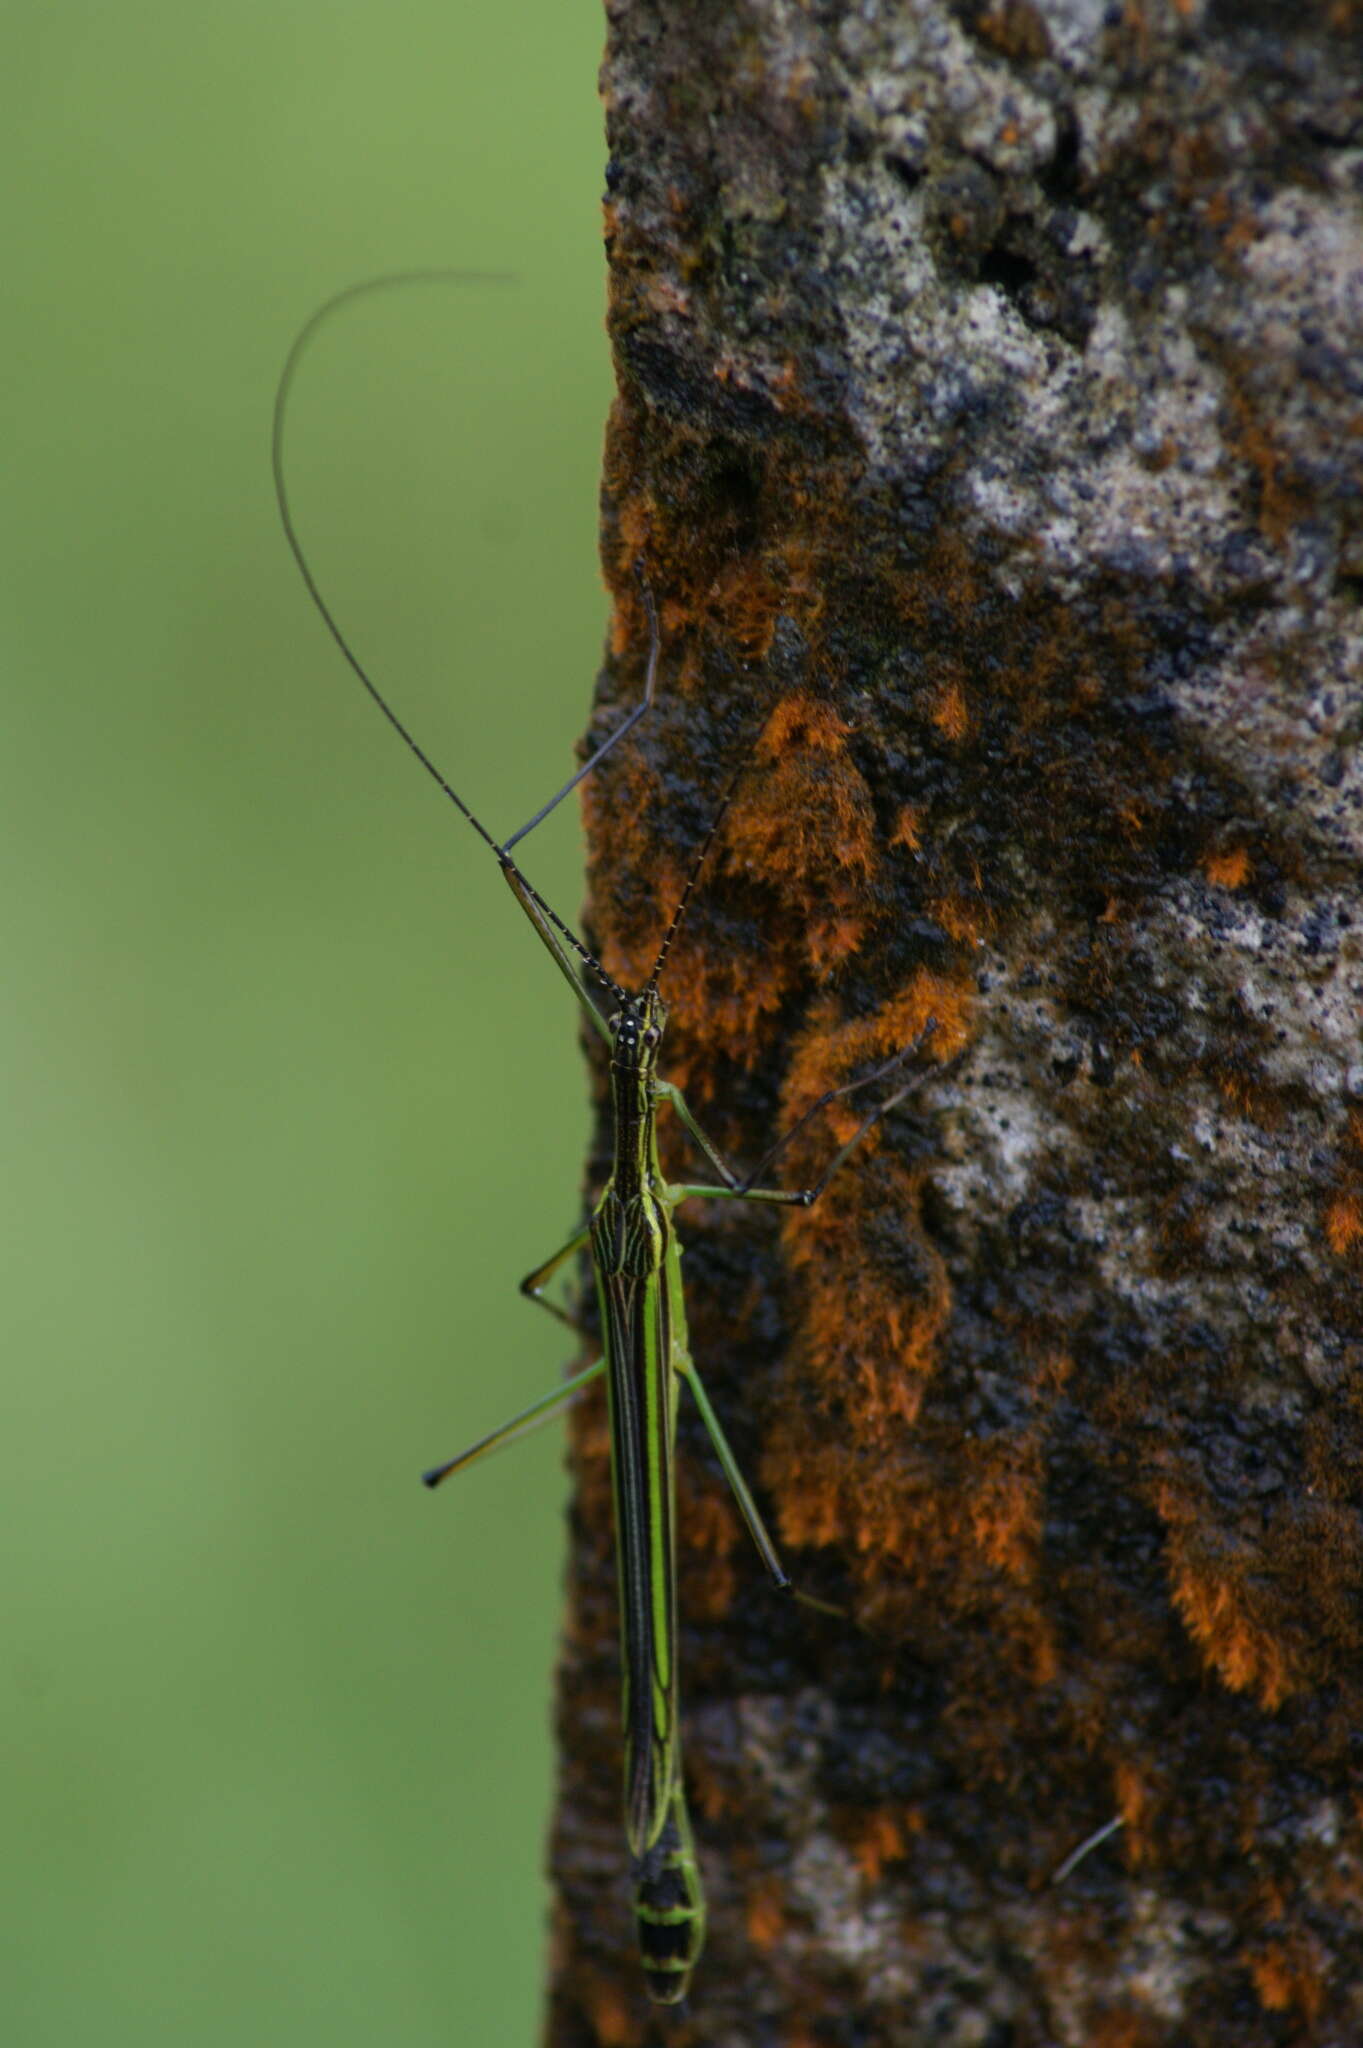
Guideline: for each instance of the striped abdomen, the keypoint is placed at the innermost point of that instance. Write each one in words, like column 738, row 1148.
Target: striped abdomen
column 669, row 1905
column 630, row 1240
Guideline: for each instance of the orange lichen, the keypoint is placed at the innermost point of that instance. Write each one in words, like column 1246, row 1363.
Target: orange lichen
column 950, row 715
column 1221, row 1612
column 1135, row 1803
column 908, row 1532
column 800, row 569
column 711, row 1535
column 1040, row 1645
column 1228, row 869
column 868, row 1337
column 765, row 1913
column 1289, row 1973
column 720, row 1004
column 1005, row 1515
column 1238, row 1092
column 616, row 2023
column 800, row 721
column 825, row 1496
column 748, row 600
column 1244, row 1089
column 1281, row 501
column 1014, row 29
column 802, row 823
column 807, row 826
column 828, row 1054
column 908, row 830
column 634, row 516
column 617, row 820
column 867, row 1340
column 1119, row 2027
column 883, row 1837
column 711, row 1794
column 959, row 919
column 831, row 940
column 1344, row 1223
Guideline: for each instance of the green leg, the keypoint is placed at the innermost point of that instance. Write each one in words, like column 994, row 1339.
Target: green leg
column 748, row 1508
column 797, row 1197
column 556, row 938
column 757, row 1528
column 520, row 1425
column 668, row 1091
column 740, row 1189
column 532, row 1287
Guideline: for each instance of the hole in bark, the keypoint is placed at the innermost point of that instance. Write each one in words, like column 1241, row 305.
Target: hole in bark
column 1011, row 272
column 737, row 495
column 909, row 175
column 1050, row 293
column 1061, row 180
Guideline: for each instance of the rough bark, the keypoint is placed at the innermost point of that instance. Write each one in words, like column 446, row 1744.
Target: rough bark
column 990, row 422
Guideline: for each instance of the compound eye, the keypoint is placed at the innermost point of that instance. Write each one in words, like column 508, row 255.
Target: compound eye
column 613, row 1023
column 652, row 1035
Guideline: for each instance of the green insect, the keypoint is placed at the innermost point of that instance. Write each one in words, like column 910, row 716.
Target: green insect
column 635, row 1252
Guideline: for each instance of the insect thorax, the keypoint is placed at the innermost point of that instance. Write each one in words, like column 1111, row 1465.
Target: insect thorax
column 636, row 1030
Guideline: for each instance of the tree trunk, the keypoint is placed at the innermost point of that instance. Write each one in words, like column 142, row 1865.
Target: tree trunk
column 990, row 427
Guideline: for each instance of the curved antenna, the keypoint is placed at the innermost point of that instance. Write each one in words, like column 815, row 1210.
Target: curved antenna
column 306, row 334
column 301, row 343
column 595, row 760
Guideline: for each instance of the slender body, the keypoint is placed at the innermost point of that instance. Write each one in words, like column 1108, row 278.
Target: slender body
column 636, row 1259
column 638, row 1286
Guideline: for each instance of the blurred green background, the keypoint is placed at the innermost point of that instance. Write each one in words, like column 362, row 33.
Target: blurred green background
column 292, row 1097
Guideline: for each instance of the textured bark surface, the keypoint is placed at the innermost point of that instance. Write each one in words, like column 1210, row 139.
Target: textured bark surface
column 990, row 421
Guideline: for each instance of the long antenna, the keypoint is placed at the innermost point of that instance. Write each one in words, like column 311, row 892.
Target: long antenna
column 697, row 864
column 302, row 340
column 301, row 343
column 594, row 760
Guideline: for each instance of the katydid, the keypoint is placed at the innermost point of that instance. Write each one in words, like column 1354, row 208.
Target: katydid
column 636, row 1259
column 635, row 1254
